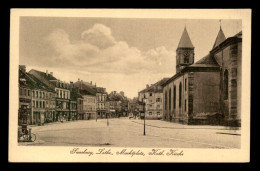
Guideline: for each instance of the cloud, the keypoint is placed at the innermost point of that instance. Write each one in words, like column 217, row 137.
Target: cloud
column 99, row 35
column 98, row 52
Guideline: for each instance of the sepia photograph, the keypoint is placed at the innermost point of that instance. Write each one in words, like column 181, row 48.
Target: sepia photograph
column 127, row 86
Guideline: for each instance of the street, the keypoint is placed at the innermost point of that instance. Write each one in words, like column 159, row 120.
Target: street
column 125, row 132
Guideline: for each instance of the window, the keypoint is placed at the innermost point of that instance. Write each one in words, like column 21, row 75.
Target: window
column 28, row 92
column 60, row 94
column 158, row 99
column 180, row 95
column 151, row 94
column 37, row 104
column 150, row 113
column 225, row 85
column 158, row 113
column 33, row 103
column 158, row 107
column 174, row 97
column 185, row 106
column 40, row 104
column 47, row 104
column 63, row 95
column 185, row 84
column 170, row 91
column 40, row 94
column 186, row 59
column 37, row 94
column 165, row 100
column 43, row 104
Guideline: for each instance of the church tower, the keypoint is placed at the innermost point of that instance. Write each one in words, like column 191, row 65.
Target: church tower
column 184, row 52
column 220, row 38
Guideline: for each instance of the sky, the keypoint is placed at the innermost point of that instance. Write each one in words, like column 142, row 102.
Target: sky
column 118, row 54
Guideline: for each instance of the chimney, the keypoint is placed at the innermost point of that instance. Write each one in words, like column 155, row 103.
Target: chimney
column 78, row 79
column 95, row 85
column 91, row 82
column 147, row 85
column 47, row 72
column 71, row 84
column 51, row 73
column 22, row 67
column 81, row 84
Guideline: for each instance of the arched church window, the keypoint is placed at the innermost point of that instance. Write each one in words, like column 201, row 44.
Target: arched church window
column 186, row 59
column 170, row 91
column 186, row 56
column 180, row 94
column 165, row 100
column 226, row 84
column 174, row 97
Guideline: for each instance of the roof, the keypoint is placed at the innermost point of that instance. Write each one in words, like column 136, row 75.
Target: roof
column 85, row 89
column 44, row 75
column 238, row 35
column 155, row 87
column 206, row 61
column 32, row 82
column 115, row 97
column 230, row 40
column 220, row 38
column 185, row 41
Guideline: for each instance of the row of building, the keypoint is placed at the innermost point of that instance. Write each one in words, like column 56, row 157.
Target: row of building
column 44, row 98
column 205, row 92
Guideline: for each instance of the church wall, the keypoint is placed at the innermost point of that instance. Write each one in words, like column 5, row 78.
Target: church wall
column 177, row 114
column 223, row 59
column 239, row 76
column 166, row 115
column 231, row 55
column 205, row 92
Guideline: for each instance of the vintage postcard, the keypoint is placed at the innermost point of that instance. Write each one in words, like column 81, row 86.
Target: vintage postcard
column 130, row 85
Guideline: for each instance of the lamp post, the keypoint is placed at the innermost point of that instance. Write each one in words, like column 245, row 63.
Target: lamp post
column 144, row 102
column 107, row 119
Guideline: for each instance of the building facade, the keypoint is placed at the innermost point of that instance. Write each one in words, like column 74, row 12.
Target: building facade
column 101, row 97
column 154, row 102
column 208, row 91
column 42, row 99
column 24, row 97
column 89, row 107
column 62, row 93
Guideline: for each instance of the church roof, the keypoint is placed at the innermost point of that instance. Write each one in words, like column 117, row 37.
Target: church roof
column 185, row 41
column 206, row 61
column 220, row 38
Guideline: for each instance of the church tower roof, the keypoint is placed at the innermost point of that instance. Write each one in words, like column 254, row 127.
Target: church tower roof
column 185, row 41
column 220, row 38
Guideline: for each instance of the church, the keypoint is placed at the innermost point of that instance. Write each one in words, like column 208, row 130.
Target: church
column 208, row 91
